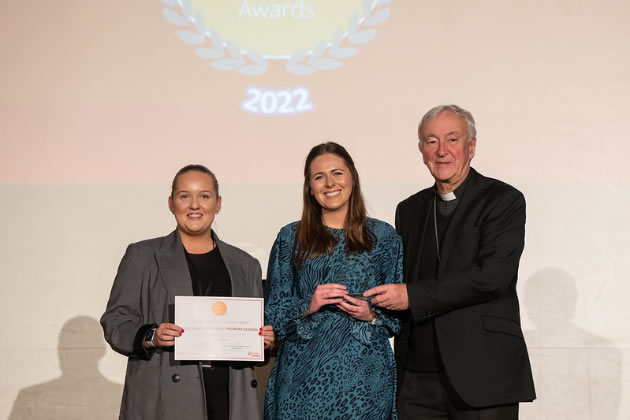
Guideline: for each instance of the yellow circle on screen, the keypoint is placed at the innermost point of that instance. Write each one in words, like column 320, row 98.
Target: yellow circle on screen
column 277, row 28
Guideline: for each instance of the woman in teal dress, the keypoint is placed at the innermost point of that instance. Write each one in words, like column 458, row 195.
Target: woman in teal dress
column 335, row 361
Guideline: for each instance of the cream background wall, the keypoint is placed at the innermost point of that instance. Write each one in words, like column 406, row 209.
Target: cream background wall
column 101, row 103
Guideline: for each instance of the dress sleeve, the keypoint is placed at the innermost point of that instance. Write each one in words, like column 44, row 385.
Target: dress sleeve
column 389, row 259
column 283, row 308
column 392, row 273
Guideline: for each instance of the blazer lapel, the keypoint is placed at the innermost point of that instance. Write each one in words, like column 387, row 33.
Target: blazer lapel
column 228, row 260
column 475, row 184
column 172, row 264
column 417, row 236
column 174, row 270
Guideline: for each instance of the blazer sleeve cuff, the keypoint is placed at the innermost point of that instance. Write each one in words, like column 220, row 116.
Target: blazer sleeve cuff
column 415, row 295
column 138, row 343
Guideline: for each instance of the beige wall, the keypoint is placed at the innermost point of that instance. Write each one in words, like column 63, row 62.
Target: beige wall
column 100, row 103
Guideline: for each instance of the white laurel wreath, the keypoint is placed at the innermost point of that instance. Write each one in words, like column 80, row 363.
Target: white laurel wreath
column 226, row 55
column 333, row 49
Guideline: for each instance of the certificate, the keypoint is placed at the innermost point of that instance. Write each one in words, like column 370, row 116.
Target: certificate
column 219, row 328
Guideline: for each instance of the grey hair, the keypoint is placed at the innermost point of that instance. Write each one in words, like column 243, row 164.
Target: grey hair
column 435, row 111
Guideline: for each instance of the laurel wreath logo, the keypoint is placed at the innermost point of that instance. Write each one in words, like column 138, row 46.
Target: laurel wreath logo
column 226, row 55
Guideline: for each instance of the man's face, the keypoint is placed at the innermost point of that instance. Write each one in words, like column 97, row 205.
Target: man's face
column 446, row 150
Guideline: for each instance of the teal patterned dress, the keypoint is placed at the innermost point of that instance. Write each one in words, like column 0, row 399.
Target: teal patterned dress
column 330, row 365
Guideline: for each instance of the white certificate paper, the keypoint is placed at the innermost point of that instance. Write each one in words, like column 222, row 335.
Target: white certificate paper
column 219, row 328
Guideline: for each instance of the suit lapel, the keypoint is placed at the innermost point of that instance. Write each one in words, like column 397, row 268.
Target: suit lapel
column 230, row 264
column 176, row 275
column 417, row 234
column 173, row 268
column 474, row 186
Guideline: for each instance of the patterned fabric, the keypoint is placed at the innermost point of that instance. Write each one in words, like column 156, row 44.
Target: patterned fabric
column 331, row 366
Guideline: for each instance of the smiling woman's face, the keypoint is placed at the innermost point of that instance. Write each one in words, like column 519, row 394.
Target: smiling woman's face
column 194, row 203
column 331, row 183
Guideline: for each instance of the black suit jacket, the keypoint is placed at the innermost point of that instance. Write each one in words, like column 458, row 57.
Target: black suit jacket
column 473, row 296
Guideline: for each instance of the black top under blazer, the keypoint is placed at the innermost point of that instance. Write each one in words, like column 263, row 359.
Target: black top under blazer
column 473, row 296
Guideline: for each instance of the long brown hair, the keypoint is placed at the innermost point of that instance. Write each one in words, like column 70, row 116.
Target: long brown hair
column 312, row 237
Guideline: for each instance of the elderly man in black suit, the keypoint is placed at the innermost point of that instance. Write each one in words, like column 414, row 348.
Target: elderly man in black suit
column 461, row 354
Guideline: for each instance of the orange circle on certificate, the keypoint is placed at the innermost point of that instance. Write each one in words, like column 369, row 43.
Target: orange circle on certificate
column 219, row 308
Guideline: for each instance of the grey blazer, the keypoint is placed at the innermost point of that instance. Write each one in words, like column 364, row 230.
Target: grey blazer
column 150, row 275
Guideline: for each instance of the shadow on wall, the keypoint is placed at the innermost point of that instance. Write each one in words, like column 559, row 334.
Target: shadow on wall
column 577, row 373
column 81, row 392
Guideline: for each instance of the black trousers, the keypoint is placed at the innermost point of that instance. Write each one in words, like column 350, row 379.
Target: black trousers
column 429, row 395
column 216, row 380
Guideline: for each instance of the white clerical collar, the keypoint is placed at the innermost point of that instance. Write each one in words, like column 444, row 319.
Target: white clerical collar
column 449, row 196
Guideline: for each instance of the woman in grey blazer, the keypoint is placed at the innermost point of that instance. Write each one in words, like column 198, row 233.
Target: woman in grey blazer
column 137, row 322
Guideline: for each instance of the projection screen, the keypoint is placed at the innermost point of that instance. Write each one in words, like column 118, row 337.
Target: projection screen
column 102, row 102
